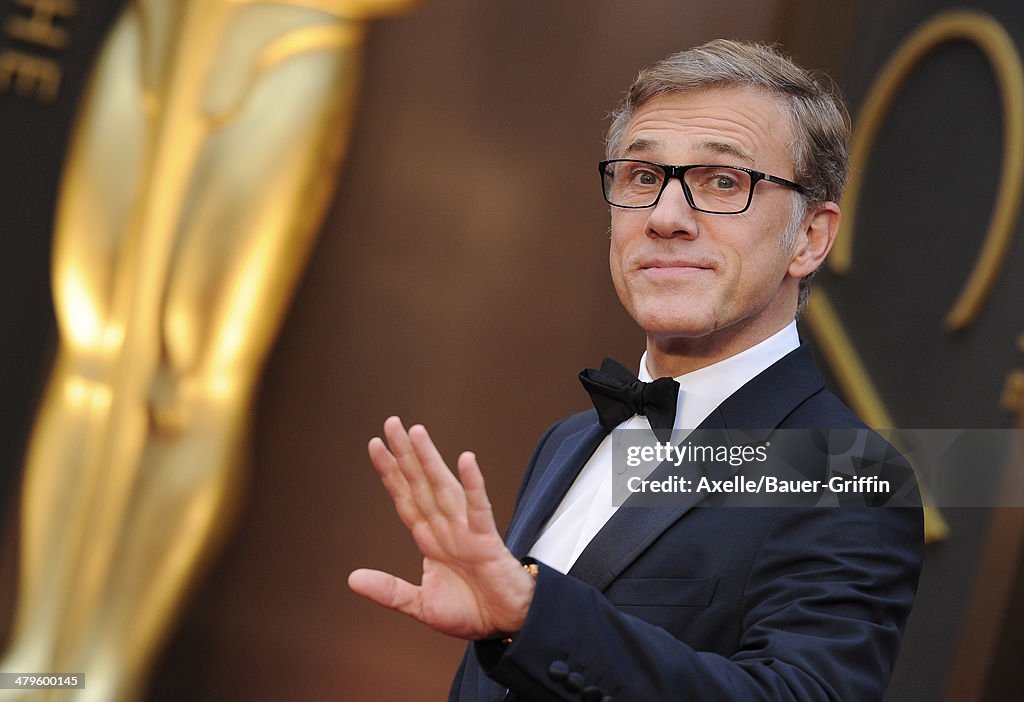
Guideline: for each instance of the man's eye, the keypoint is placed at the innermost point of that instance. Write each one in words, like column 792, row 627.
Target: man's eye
column 723, row 182
column 645, row 178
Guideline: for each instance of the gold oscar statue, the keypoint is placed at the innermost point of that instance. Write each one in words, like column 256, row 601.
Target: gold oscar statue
column 200, row 167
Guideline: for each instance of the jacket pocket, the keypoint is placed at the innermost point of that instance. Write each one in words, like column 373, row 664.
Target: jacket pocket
column 662, row 592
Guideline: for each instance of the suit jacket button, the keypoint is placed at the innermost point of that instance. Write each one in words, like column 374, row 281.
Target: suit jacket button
column 592, row 693
column 575, row 682
column 559, row 670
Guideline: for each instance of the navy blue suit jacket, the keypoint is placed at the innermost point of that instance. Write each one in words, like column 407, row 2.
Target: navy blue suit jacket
column 701, row 600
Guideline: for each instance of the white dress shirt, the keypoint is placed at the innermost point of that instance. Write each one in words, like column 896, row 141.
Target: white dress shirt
column 588, row 504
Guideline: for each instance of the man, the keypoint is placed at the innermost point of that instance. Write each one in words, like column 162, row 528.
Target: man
column 698, row 598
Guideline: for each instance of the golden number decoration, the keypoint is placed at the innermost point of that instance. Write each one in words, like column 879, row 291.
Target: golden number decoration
column 992, row 39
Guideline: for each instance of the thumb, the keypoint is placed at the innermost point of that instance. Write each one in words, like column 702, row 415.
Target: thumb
column 386, row 590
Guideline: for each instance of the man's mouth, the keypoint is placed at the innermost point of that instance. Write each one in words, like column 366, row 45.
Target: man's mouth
column 673, row 267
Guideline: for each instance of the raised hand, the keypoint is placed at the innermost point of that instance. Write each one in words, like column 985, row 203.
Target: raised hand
column 472, row 586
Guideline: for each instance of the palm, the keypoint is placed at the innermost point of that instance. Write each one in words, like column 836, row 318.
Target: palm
column 449, row 603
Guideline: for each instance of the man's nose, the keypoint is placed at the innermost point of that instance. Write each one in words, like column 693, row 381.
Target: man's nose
column 672, row 216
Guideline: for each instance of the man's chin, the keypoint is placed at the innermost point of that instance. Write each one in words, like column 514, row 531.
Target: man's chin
column 676, row 327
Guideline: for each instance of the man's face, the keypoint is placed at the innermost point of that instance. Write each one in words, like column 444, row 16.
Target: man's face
column 689, row 276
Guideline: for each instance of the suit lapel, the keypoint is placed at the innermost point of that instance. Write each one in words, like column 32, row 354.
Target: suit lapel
column 635, row 526
column 756, row 408
column 542, row 499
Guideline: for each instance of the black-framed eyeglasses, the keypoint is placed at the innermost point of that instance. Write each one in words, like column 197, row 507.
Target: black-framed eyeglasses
column 635, row 184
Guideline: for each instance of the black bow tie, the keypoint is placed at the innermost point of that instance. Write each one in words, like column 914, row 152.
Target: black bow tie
column 617, row 395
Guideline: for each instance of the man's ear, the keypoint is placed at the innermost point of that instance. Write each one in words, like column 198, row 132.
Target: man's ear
column 815, row 240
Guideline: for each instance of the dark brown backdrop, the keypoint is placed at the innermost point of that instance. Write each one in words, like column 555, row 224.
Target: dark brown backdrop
column 461, row 281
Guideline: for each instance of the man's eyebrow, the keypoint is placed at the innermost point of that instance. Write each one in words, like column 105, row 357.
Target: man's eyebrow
column 724, row 148
column 641, row 145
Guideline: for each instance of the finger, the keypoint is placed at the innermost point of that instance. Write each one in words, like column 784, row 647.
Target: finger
column 448, row 492
column 409, row 464
column 387, row 591
column 479, row 514
column 387, row 467
column 400, row 446
column 395, row 483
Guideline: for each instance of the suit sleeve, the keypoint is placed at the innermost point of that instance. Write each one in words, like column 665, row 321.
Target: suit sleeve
column 824, row 606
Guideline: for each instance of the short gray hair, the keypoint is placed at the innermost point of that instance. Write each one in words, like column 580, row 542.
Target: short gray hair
column 819, row 121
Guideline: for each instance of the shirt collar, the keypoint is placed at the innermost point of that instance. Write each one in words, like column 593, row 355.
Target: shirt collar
column 702, row 390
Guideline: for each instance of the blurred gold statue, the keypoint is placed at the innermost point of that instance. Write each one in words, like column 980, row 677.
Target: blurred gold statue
column 201, row 164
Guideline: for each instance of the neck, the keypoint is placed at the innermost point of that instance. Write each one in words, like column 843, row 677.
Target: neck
column 675, row 356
